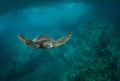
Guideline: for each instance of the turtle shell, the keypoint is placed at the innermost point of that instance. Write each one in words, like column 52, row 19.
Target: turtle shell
column 43, row 38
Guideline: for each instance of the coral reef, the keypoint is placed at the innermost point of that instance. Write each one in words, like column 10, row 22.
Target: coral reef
column 98, row 56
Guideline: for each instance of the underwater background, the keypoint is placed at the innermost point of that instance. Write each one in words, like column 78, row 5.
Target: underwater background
column 92, row 53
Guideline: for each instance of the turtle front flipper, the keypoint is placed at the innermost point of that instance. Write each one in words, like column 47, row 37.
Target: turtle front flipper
column 62, row 40
column 27, row 41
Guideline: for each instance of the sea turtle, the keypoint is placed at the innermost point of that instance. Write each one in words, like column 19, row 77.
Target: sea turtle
column 44, row 41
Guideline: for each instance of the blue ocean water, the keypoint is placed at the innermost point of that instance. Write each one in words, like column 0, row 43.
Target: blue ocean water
column 91, row 54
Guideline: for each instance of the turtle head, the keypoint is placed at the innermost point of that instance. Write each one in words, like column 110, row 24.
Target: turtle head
column 48, row 44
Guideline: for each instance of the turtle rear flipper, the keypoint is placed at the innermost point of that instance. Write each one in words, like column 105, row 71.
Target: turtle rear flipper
column 62, row 40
